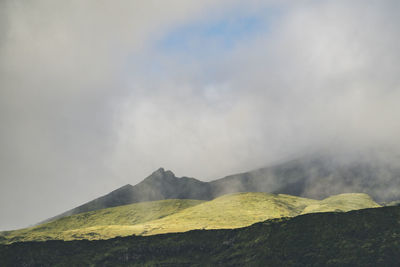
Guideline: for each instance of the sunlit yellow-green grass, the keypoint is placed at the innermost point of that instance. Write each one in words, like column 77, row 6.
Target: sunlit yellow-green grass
column 244, row 209
column 342, row 202
column 229, row 211
column 117, row 216
column 166, row 216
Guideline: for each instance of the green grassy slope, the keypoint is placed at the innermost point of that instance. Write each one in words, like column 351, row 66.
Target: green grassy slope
column 229, row 211
column 342, row 202
column 244, row 209
column 166, row 216
column 368, row 237
column 120, row 216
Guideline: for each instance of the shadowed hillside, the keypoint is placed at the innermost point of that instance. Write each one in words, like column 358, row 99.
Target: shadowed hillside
column 368, row 237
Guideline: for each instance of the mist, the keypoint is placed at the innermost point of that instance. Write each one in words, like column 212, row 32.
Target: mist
column 95, row 95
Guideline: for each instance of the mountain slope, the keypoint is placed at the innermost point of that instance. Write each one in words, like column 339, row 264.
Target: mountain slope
column 159, row 185
column 341, row 203
column 229, row 211
column 368, row 237
column 166, row 216
column 243, row 209
column 318, row 176
column 122, row 215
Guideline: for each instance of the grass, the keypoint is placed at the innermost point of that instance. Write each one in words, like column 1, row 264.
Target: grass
column 343, row 203
column 121, row 216
column 168, row 216
column 368, row 237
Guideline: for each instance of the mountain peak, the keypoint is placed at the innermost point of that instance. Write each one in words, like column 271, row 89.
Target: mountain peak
column 161, row 172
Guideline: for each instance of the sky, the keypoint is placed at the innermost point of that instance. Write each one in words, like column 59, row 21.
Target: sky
column 98, row 94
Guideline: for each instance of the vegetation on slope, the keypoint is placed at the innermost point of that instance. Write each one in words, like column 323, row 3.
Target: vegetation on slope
column 226, row 212
column 315, row 176
column 167, row 216
column 342, row 202
column 159, row 185
column 369, row 237
column 244, row 209
column 118, row 216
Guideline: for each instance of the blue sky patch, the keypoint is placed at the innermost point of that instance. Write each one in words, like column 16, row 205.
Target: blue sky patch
column 224, row 34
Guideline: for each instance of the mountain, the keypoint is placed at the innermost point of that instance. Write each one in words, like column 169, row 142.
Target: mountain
column 317, row 177
column 368, row 237
column 180, row 215
column 159, row 185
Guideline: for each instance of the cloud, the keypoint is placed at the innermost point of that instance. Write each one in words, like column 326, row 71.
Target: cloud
column 322, row 76
column 91, row 99
column 60, row 73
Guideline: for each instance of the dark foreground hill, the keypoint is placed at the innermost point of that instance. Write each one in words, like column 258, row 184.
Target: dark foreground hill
column 369, row 237
column 315, row 177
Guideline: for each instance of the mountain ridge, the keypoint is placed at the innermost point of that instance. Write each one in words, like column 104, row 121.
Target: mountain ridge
column 315, row 177
column 159, row 185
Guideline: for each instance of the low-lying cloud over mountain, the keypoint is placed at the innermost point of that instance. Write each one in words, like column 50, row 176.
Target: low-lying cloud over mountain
column 317, row 177
column 98, row 94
